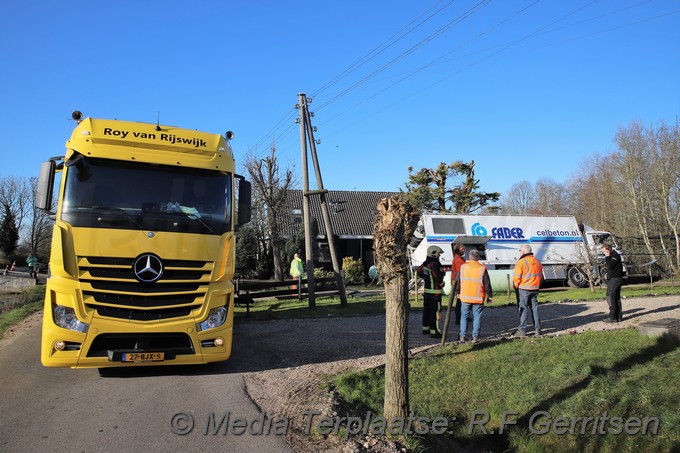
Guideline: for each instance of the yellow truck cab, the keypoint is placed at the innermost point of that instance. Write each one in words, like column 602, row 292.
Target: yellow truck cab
column 143, row 246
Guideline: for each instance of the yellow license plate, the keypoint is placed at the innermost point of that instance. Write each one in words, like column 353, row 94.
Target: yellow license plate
column 143, row 356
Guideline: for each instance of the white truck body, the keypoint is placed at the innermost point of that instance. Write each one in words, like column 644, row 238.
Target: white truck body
column 556, row 241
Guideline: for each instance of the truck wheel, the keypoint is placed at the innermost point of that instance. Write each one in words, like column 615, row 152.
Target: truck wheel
column 576, row 278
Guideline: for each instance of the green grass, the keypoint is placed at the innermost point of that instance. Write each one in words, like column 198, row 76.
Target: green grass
column 571, row 376
column 24, row 304
column 330, row 306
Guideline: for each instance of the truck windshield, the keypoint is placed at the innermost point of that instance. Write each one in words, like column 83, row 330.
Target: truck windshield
column 102, row 193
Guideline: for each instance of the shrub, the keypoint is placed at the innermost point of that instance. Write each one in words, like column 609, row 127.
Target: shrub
column 321, row 273
column 354, row 270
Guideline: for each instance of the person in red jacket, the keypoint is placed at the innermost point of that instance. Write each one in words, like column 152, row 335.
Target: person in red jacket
column 527, row 279
column 458, row 261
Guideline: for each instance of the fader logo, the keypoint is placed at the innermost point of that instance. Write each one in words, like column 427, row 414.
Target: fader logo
column 478, row 230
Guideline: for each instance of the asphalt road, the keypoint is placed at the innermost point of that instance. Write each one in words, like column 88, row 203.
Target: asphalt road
column 53, row 409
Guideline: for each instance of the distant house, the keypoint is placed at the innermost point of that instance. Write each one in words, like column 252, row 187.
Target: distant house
column 352, row 215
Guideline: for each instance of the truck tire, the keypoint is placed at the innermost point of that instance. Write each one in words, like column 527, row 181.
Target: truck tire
column 576, row 278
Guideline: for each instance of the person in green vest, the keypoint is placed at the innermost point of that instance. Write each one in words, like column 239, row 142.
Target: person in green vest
column 32, row 263
column 296, row 269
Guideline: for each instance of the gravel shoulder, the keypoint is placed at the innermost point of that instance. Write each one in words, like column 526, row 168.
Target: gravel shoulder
column 290, row 391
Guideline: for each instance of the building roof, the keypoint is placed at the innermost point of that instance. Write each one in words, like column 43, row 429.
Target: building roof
column 352, row 213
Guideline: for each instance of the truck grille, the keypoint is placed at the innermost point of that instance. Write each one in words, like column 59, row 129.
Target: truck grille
column 110, row 287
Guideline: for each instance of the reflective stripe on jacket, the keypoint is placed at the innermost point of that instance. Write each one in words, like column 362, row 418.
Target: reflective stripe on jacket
column 472, row 283
column 528, row 273
column 433, row 275
column 431, row 285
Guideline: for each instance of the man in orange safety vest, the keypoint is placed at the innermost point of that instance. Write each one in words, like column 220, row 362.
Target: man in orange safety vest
column 475, row 288
column 527, row 279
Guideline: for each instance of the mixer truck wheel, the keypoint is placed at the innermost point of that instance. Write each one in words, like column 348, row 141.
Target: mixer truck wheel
column 577, row 278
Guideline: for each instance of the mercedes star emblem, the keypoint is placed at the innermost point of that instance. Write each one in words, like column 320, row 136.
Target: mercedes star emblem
column 147, row 268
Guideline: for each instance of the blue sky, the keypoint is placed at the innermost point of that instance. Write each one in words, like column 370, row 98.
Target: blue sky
column 527, row 89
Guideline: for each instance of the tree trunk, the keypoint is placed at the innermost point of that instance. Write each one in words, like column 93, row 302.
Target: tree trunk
column 393, row 228
column 396, row 348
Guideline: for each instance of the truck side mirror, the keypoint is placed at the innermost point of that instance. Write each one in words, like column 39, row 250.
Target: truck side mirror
column 244, row 202
column 43, row 192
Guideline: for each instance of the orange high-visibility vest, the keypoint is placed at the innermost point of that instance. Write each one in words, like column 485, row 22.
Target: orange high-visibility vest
column 472, row 282
column 528, row 273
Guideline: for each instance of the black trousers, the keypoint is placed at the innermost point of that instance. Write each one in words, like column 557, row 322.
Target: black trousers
column 614, row 298
column 456, row 310
column 430, row 310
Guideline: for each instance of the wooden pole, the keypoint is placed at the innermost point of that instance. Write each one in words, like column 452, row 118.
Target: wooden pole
column 309, row 259
column 324, row 208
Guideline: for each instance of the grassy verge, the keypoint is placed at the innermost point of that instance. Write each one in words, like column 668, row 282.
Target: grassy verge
column 24, row 304
column 325, row 306
column 573, row 376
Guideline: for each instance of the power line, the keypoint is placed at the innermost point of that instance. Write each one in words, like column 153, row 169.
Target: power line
column 374, row 53
column 540, row 31
column 406, row 53
column 431, row 63
column 381, row 48
column 505, row 47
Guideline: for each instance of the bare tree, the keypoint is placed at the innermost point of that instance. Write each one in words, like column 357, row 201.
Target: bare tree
column 596, row 196
column 550, row 197
column 39, row 228
column 634, row 192
column 634, row 167
column 665, row 170
column 519, row 199
column 393, row 228
column 271, row 188
column 15, row 193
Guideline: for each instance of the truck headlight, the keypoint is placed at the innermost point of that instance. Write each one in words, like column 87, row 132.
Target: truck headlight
column 66, row 317
column 215, row 318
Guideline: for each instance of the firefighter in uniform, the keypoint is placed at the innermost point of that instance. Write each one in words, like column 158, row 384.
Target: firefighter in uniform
column 527, row 279
column 432, row 273
column 475, row 288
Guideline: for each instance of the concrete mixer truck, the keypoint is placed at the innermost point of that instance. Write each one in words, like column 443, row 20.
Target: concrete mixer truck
column 566, row 248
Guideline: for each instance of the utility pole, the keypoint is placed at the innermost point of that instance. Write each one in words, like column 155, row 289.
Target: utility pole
column 306, row 128
column 306, row 217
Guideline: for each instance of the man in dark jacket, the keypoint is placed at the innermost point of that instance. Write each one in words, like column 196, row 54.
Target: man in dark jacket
column 614, row 280
column 432, row 273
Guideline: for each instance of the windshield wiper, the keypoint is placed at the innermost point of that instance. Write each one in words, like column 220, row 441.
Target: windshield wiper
column 190, row 216
column 114, row 211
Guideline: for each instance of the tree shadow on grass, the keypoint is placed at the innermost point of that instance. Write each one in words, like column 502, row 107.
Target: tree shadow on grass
column 501, row 442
